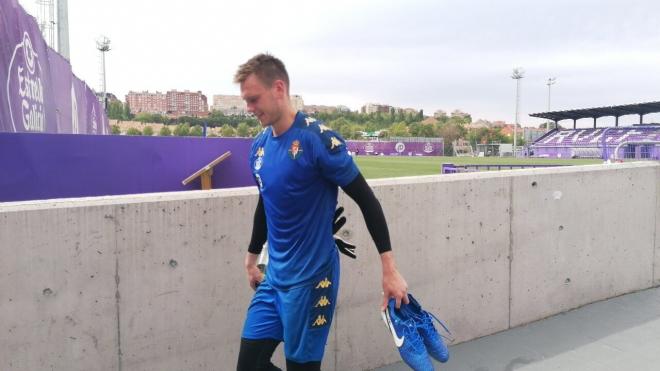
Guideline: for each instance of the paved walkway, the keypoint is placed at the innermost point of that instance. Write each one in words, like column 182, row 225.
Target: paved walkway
column 618, row 334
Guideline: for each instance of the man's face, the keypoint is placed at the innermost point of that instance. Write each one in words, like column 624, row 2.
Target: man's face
column 261, row 100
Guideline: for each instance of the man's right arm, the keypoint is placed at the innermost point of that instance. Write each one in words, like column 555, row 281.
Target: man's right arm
column 259, row 235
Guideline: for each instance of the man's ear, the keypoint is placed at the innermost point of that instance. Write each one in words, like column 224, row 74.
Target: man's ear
column 280, row 88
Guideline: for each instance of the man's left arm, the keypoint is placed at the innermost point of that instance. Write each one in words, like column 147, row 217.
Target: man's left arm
column 394, row 285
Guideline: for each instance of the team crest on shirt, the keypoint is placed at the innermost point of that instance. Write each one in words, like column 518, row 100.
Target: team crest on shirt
column 295, row 151
column 260, row 158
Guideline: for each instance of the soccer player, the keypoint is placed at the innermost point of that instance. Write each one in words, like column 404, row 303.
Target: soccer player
column 298, row 164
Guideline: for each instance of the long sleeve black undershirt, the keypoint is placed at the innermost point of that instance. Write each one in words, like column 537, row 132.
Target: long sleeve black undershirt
column 372, row 212
column 259, row 229
column 364, row 197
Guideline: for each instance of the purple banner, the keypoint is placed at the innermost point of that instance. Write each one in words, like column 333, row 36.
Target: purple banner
column 396, row 148
column 39, row 92
column 44, row 166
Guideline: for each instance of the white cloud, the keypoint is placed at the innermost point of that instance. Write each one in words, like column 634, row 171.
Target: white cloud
column 422, row 54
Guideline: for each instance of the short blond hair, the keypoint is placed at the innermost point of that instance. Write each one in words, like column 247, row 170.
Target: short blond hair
column 266, row 67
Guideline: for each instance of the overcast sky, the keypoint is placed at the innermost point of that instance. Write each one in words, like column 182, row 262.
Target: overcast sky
column 421, row 54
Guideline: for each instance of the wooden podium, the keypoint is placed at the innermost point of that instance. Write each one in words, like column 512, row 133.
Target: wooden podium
column 206, row 172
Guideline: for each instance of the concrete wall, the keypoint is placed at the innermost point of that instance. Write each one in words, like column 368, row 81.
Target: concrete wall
column 156, row 282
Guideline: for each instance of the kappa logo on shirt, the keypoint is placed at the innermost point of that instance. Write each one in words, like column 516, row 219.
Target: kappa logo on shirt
column 334, row 143
column 309, row 120
column 323, row 128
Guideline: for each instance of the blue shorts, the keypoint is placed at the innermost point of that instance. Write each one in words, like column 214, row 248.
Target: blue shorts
column 300, row 316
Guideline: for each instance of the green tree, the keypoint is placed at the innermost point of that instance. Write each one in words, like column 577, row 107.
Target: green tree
column 450, row 131
column 148, row 131
column 346, row 131
column 399, row 129
column 115, row 130
column 133, row 131
column 339, row 124
column 143, row 117
column 227, row 131
column 115, row 110
column 427, row 131
column 182, row 130
column 255, row 130
column 165, row 131
column 243, row 130
column 196, row 131
column 127, row 112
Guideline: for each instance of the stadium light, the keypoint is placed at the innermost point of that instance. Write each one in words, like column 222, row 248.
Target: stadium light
column 518, row 73
column 551, row 81
column 103, row 45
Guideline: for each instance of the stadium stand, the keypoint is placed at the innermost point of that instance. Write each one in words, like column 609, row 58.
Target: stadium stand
column 640, row 141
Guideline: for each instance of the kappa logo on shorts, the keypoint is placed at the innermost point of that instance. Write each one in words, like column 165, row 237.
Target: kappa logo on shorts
column 324, row 284
column 323, row 302
column 319, row 321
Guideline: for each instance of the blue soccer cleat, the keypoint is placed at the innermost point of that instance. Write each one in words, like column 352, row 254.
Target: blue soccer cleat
column 424, row 320
column 406, row 338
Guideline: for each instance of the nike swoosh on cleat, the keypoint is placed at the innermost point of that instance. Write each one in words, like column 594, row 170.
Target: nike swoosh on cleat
column 398, row 341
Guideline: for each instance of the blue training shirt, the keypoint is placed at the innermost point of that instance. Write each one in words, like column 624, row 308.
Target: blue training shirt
column 297, row 174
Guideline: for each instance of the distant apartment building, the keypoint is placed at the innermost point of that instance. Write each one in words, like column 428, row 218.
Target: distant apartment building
column 317, row 108
column 297, row 102
column 507, row 129
column 439, row 114
column 186, row 103
column 374, row 107
column 146, row 102
column 235, row 105
column 230, row 105
column 407, row 111
column 479, row 124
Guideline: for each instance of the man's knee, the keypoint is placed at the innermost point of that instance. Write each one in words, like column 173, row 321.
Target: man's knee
column 255, row 355
column 307, row 366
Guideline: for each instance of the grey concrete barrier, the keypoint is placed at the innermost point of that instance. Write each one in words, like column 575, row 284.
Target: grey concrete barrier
column 156, row 282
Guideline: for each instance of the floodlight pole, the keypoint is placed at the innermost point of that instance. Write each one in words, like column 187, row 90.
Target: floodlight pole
column 103, row 45
column 518, row 73
column 551, row 81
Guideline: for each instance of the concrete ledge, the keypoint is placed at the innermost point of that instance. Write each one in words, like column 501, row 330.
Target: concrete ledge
column 156, row 281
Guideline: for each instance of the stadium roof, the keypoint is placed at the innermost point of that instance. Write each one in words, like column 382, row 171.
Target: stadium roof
column 616, row 111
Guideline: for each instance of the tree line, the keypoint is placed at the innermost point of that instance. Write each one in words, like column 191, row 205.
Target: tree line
column 350, row 125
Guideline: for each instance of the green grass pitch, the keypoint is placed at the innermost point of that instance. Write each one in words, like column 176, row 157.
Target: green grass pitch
column 393, row 166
